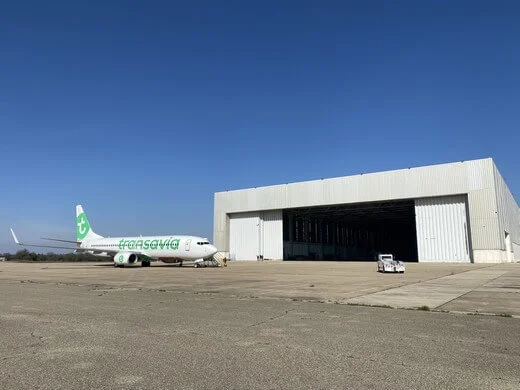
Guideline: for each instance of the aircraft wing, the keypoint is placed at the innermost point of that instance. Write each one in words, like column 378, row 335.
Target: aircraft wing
column 57, row 239
column 97, row 251
column 39, row 246
column 75, row 249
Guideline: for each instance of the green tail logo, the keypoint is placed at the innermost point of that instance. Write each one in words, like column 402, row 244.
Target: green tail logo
column 83, row 227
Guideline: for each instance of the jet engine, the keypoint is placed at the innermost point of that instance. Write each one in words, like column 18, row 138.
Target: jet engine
column 125, row 258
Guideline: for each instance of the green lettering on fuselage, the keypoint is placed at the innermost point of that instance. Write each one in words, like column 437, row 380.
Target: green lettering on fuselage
column 170, row 243
column 174, row 244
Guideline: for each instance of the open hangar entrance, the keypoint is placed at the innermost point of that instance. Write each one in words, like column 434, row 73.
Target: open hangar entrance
column 426, row 230
column 351, row 232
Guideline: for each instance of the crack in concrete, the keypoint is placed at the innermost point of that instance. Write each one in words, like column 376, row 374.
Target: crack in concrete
column 272, row 318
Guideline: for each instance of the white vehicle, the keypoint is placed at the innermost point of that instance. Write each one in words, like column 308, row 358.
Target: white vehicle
column 211, row 262
column 386, row 263
column 129, row 251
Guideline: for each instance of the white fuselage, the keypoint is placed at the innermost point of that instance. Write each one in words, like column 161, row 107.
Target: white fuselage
column 165, row 248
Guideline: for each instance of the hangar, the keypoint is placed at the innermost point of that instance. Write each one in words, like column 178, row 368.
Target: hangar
column 456, row 212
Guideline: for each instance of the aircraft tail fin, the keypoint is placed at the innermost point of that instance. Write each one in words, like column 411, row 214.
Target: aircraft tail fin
column 83, row 230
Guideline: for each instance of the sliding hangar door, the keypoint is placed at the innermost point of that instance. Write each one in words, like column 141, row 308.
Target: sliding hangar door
column 425, row 230
column 443, row 232
column 256, row 235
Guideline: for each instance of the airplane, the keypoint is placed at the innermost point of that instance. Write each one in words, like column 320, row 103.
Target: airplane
column 129, row 251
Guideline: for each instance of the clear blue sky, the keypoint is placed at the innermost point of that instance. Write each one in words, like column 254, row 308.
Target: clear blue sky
column 141, row 110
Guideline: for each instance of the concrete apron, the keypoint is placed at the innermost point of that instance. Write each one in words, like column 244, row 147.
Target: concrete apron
column 432, row 293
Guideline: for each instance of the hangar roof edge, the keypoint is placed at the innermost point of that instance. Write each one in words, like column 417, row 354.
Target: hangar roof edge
column 360, row 174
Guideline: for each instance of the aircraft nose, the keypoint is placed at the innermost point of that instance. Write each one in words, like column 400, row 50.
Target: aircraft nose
column 212, row 249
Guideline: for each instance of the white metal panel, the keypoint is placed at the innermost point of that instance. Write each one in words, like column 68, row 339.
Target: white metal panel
column 442, row 229
column 508, row 214
column 483, row 220
column 413, row 183
column 516, row 251
column 244, row 236
column 272, row 235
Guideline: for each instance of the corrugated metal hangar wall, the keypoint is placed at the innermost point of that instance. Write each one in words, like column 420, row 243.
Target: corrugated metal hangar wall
column 458, row 212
